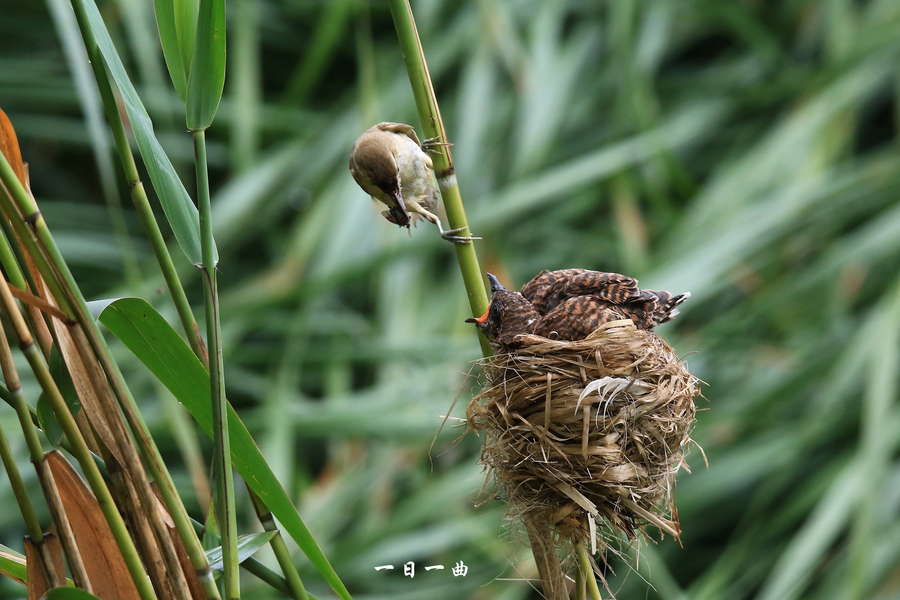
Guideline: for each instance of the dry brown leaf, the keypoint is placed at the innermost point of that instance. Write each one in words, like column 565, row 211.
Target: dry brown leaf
column 9, row 145
column 196, row 588
column 37, row 583
column 86, row 392
column 103, row 561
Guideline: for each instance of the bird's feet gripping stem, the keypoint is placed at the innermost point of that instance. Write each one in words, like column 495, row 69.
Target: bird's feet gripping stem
column 432, row 145
column 450, row 234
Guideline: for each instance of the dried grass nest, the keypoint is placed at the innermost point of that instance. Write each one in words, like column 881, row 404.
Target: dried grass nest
column 596, row 427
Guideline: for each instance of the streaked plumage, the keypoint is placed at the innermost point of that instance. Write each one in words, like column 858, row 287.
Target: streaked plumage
column 570, row 304
column 611, row 291
column 508, row 315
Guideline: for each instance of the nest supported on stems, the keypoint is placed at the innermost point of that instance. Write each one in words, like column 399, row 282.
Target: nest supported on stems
column 588, row 433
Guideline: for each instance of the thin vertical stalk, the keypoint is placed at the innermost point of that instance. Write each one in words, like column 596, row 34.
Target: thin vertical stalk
column 245, row 75
column 587, row 571
column 224, row 487
column 32, row 525
column 433, row 127
column 64, row 527
column 11, row 258
column 297, row 591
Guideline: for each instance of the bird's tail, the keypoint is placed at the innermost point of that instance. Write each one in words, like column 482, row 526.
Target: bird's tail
column 668, row 307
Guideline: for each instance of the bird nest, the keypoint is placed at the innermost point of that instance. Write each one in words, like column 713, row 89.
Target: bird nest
column 582, row 433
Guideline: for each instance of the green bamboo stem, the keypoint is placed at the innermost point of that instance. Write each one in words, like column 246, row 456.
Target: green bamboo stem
column 11, row 258
column 587, row 571
column 11, row 376
column 79, row 446
column 433, row 127
column 138, row 194
column 32, row 525
column 11, row 205
column 224, row 485
column 98, row 343
column 295, row 584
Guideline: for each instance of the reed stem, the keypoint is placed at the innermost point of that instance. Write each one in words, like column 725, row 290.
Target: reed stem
column 224, row 478
column 433, row 127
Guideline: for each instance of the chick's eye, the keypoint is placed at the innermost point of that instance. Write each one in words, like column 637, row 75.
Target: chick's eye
column 496, row 311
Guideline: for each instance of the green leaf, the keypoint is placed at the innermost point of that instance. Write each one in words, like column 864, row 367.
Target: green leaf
column 161, row 349
column 207, row 74
column 68, row 593
column 176, row 38
column 45, row 414
column 12, row 564
column 248, row 544
column 177, row 204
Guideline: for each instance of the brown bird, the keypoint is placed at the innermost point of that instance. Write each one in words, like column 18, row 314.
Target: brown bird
column 508, row 315
column 391, row 165
column 569, row 305
column 595, row 290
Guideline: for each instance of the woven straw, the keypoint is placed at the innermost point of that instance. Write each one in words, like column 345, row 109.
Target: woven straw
column 595, row 427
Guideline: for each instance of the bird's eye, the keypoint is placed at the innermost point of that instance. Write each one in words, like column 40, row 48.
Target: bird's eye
column 496, row 310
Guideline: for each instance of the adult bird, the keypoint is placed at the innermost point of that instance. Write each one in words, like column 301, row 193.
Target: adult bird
column 391, row 165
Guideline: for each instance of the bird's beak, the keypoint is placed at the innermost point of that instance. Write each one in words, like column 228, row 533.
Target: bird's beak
column 399, row 198
column 398, row 214
column 495, row 285
column 480, row 319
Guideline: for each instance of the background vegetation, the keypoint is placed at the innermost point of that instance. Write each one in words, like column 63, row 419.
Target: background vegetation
column 745, row 151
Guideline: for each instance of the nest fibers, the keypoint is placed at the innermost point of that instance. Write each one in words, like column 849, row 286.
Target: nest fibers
column 587, row 431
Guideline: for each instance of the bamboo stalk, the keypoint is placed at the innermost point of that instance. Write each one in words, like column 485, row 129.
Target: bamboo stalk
column 32, row 525
column 295, row 584
column 433, row 127
column 11, row 257
column 587, row 571
column 224, row 484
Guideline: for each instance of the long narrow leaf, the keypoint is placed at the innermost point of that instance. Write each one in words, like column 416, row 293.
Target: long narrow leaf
column 207, row 76
column 173, row 36
column 180, row 210
column 161, row 349
column 248, row 545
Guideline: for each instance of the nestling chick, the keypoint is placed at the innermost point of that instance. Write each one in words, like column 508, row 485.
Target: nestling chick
column 389, row 163
column 590, row 291
column 508, row 315
column 569, row 305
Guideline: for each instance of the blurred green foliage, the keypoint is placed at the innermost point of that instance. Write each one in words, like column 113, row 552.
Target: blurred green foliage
column 745, row 151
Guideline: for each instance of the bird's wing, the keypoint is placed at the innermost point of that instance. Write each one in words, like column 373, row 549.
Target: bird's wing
column 544, row 290
column 576, row 318
column 403, row 128
column 550, row 288
column 613, row 287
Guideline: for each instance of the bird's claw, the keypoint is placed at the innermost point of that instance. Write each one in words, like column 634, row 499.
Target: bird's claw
column 450, row 236
column 431, row 145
